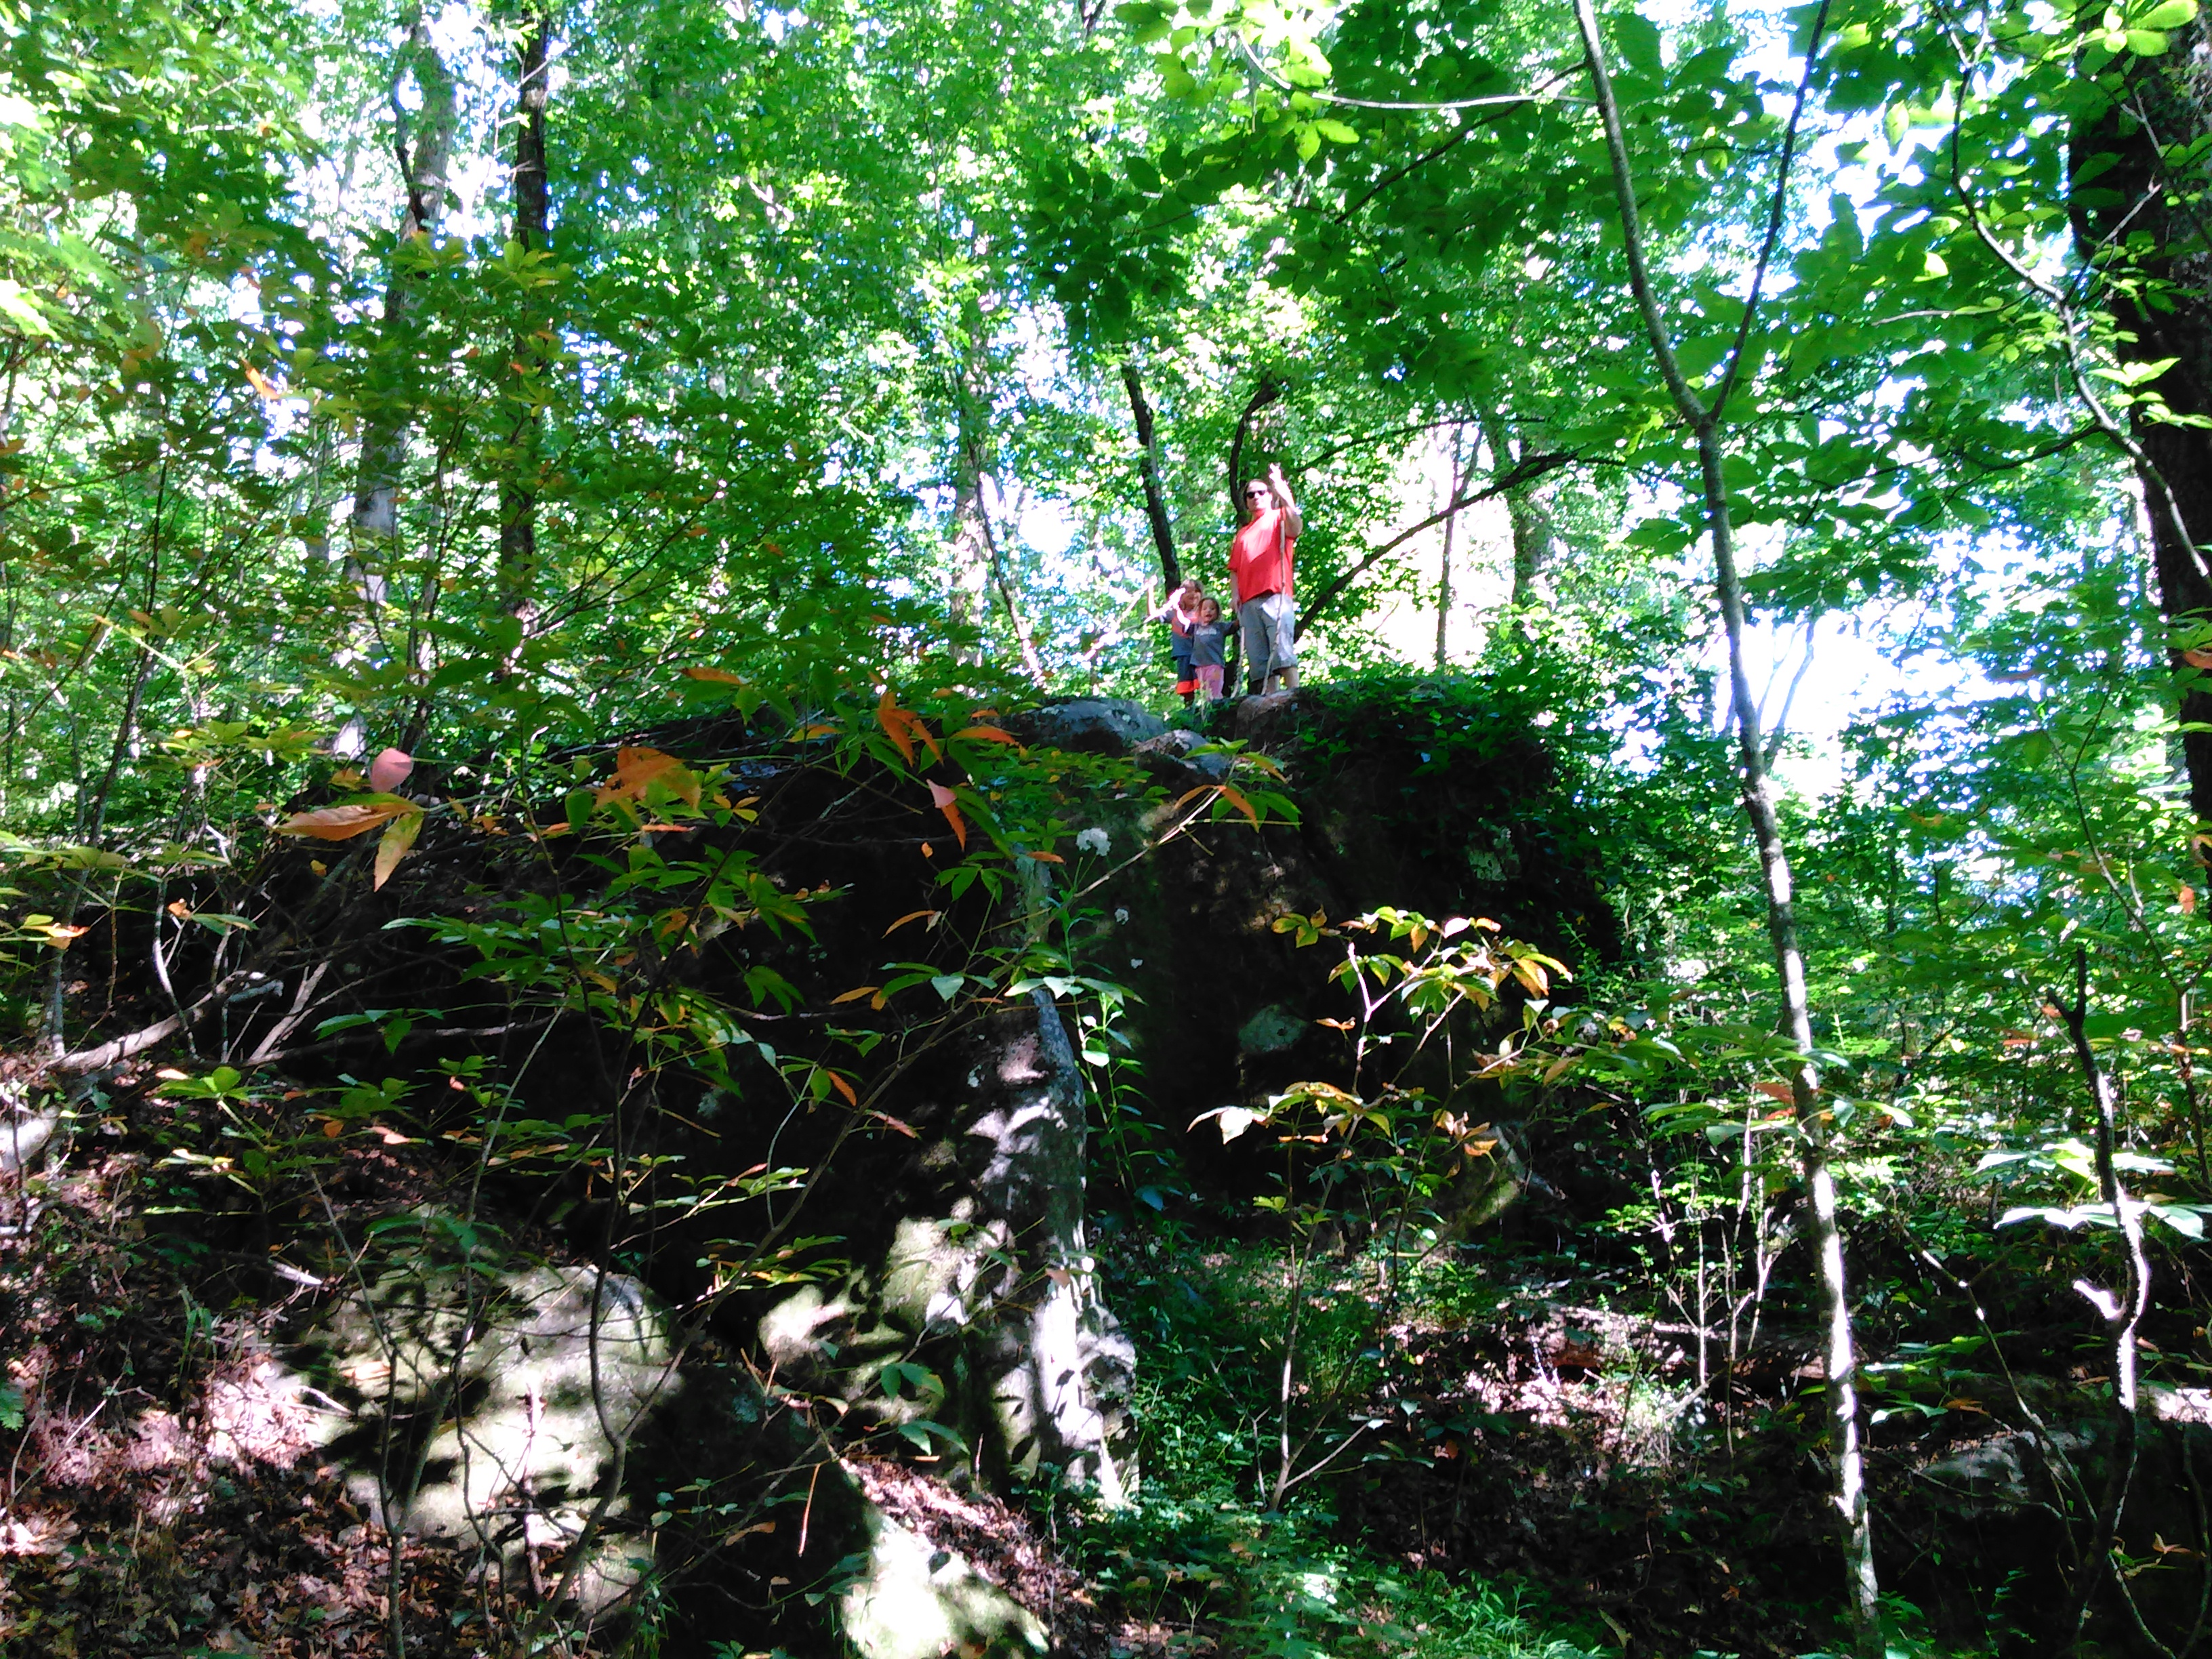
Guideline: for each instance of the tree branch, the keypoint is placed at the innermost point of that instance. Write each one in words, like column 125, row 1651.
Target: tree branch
column 1526, row 471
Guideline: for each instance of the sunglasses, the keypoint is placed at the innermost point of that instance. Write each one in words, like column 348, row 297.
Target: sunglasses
column 1258, row 495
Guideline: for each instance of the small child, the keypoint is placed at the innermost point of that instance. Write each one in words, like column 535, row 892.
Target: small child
column 1179, row 610
column 1209, row 638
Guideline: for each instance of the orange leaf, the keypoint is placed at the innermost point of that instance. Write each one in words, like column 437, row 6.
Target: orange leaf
column 1235, row 797
column 718, row 675
column 927, row 851
column 906, row 1129
column 820, row 729
column 911, row 915
column 634, row 768
column 268, row 388
column 949, row 803
column 1781, row 1091
column 2198, row 659
column 2186, row 898
column 393, row 847
column 838, row 1082
column 854, row 994
column 1045, row 858
column 355, row 818
column 989, row 734
column 893, row 719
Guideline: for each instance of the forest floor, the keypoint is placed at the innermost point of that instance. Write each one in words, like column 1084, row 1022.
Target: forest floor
column 1498, row 1456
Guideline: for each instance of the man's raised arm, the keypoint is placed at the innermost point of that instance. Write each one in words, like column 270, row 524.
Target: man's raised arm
column 1281, row 486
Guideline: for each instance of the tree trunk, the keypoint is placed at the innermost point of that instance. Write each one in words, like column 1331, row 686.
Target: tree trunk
column 1264, row 393
column 1148, row 469
column 2163, row 310
column 969, row 551
column 1532, row 525
column 1444, row 564
column 518, row 505
column 1861, row 1588
column 1024, row 640
column 425, row 148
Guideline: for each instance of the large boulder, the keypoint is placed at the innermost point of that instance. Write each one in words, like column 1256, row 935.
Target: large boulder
column 984, row 1281
column 493, row 1401
column 1094, row 725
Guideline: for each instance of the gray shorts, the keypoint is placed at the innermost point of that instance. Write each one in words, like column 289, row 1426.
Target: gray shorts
column 1269, row 623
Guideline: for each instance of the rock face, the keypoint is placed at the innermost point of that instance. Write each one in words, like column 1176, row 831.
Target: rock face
column 985, row 1280
column 912, row 1603
column 1092, row 726
column 957, row 1307
column 1399, row 804
column 492, row 1403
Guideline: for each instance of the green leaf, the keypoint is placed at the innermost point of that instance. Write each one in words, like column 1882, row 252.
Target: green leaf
column 2147, row 43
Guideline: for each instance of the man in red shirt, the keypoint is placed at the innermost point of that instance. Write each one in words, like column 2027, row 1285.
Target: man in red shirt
column 1260, row 565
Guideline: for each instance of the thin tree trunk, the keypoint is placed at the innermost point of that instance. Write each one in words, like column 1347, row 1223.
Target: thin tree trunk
column 1444, row 564
column 518, row 515
column 1861, row 1588
column 970, row 548
column 1264, row 393
column 1032, row 663
column 1532, row 525
column 1533, row 466
column 1148, row 469
column 2122, row 1312
column 92, row 812
column 425, row 146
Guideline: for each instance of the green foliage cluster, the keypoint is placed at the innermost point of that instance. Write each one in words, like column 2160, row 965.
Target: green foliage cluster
column 869, row 369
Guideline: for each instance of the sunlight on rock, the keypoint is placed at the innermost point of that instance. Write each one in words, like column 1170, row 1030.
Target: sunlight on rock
column 911, row 1601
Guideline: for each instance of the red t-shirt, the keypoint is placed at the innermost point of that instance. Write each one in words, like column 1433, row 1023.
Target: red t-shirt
column 1260, row 558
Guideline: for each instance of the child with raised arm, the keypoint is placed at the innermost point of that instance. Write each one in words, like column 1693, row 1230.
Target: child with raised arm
column 1179, row 610
column 1209, row 640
